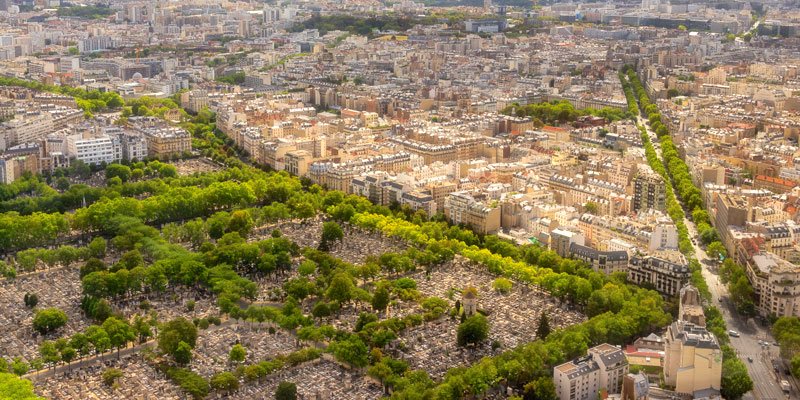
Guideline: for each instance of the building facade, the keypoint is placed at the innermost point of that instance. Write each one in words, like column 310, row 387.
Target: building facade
column 649, row 190
column 692, row 358
column 582, row 379
column 667, row 277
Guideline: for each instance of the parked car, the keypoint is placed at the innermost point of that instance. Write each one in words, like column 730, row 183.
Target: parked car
column 733, row 333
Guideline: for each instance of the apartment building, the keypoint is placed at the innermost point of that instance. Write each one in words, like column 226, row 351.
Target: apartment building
column 463, row 208
column 583, row 378
column 297, row 162
column 419, row 200
column 773, row 184
column 606, row 262
column 692, row 358
column 731, row 212
column 163, row 140
column 106, row 145
column 665, row 276
column 25, row 128
column 649, row 190
column 561, row 241
column 664, row 237
column 95, row 43
column 17, row 161
column 776, row 283
column 94, row 150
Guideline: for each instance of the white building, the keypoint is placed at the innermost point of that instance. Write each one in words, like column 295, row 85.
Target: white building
column 95, row 43
column 664, row 237
column 584, row 377
column 112, row 145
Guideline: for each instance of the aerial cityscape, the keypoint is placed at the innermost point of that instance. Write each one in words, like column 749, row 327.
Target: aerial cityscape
column 400, row 199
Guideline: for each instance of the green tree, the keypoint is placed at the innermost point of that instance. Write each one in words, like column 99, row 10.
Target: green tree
column 62, row 183
column 351, row 350
column 474, row 329
column 502, row 285
column 787, row 332
column 182, row 353
column 48, row 320
column 543, row 329
column 321, row 310
column 591, row 207
column 114, row 182
column 240, row 222
column 111, row 375
column 742, row 296
column 30, row 300
column 716, row 250
column 541, row 389
column 15, row 388
column 735, row 380
column 92, row 265
column 340, row 289
column 434, row 307
column 286, row 391
column 174, row 332
column 97, row 247
column 237, row 354
column 119, row 332
column 49, row 353
column 68, row 354
column 225, row 381
column 380, row 299
column 131, row 259
column 331, row 232
column 19, row 367
column 123, row 172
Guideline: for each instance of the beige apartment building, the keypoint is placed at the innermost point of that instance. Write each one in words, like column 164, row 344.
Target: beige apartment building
column 463, row 208
column 692, row 358
column 163, row 140
column 166, row 142
column 582, row 379
column 776, row 283
column 297, row 162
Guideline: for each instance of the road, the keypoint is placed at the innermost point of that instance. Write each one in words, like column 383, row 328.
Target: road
column 765, row 381
column 748, row 344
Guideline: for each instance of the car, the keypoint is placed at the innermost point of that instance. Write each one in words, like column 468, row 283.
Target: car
column 750, row 359
column 733, row 333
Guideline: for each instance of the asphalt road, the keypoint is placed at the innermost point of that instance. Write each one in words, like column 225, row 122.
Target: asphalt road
column 765, row 380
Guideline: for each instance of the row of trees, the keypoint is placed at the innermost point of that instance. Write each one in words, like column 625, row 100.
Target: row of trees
column 787, row 332
column 690, row 194
column 562, row 112
column 113, row 333
column 735, row 381
column 673, row 207
column 137, row 179
column 356, row 25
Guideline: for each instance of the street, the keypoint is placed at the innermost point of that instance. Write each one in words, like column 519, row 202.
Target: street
column 765, row 381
